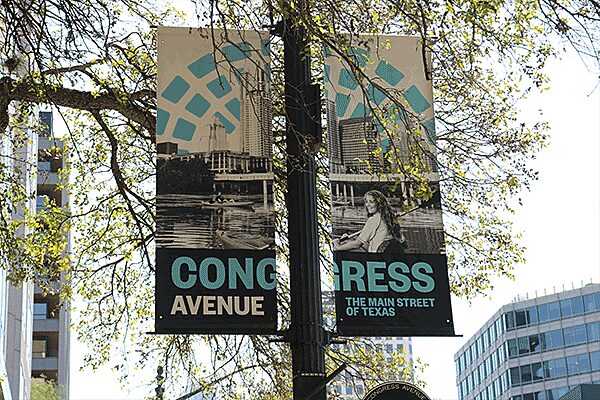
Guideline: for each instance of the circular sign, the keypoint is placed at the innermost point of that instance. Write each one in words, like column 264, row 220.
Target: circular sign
column 396, row 391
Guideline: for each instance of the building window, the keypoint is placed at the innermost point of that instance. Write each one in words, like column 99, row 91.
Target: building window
column 523, row 345
column 520, row 318
column 555, row 394
column 479, row 346
column 509, row 321
column 593, row 331
column 535, row 345
column 515, row 376
column 553, row 311
column 553, row 339
column 555, row 368
column 537, row 371
column 574, row 335
column 595, row 360
column 532, row 315
column 526, row 373
column 591, row 302
column 39, row 348
column 578, row 364
column 40, row 310
column 571, row 307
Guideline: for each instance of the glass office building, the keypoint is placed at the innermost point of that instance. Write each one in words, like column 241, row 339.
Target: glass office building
column 534, row 349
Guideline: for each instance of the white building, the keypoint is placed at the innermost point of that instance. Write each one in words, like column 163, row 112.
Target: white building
column 34, row 336
column 51, row 317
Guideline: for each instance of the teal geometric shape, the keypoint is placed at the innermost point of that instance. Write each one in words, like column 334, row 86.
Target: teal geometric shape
column 341, row 103
column 198, row 106
column 360, row 56
column 265, row 45
column 219, row 87
column 202, row 66
column 162, row 118
column 238, row 51
column 229, row 127
column 176, row 89
column 360, row 111
column 267, row 70
column 238, row 74
column 184, row 130
column 375, row 95
column 233, row 107
column 326, row 51
column 389, row 73
column 430, row 129
column 385, row 143
column 416, row 100
column 326, row 73
column 181, row 151
column 347, row 79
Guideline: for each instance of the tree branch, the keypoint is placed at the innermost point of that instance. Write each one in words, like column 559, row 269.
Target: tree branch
column 35, row 92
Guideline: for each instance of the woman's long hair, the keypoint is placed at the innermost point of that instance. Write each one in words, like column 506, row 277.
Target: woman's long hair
column 387, row 214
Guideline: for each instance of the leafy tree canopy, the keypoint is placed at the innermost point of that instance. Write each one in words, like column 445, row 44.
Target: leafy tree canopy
column 42, row 389
column 95, row 60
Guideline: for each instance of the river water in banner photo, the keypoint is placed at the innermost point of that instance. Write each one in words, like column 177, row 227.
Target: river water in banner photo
column 190, row 221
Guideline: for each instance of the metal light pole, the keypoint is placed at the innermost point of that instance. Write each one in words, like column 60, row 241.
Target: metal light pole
column 307, row 336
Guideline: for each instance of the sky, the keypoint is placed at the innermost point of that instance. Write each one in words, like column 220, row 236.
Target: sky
column 560, row 222
column 560, row 218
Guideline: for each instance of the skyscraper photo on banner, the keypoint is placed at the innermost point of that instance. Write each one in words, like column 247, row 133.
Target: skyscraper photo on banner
column 215, row 222
column 387, row 231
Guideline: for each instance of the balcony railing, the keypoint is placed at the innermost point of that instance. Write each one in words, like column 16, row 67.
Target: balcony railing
column 47, row 363
column 48, row 178
column 46, row 325
column 44, row 166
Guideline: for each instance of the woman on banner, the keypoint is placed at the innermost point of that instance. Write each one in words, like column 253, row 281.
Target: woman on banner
column 380, row 233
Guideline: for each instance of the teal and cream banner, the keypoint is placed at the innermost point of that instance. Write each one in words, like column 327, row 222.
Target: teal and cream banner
column 215, row 224
column 219, row 80
column 388, row 239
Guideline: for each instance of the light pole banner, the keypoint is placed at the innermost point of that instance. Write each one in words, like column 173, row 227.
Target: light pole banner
column 390, row 267
column 215, row 241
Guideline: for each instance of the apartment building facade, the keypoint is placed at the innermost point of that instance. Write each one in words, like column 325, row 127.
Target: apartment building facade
column 51, row 317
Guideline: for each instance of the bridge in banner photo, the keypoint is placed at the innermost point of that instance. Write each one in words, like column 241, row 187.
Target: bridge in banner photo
column 343, row 186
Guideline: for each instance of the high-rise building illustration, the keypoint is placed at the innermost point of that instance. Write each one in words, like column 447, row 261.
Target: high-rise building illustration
column 534, row 349
column 333, row 137
column 359, row 144
column 256, row 114
column 217, row 139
